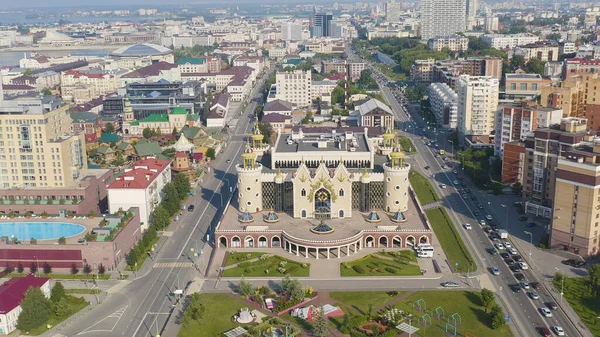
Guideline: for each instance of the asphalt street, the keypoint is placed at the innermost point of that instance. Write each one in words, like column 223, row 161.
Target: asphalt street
column 525, row 317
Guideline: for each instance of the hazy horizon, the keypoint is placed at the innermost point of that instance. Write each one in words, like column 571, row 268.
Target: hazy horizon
column 28, row 4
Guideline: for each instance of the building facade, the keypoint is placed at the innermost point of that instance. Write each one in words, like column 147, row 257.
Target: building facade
column 294, row 87
column 12, row 293
column 451, row 42
column 444, row 104
column 509, row 41
column 477, row 105
column 442, row 17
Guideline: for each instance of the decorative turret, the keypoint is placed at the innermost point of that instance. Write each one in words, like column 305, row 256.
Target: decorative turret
column 396, row 157
column 245, row 217
column 373, row 217
column 257, row 137
column 250, row 182
column 388, row 138
column 272, row 217
column 398, row 217
column 396, row 181
column 249, row 157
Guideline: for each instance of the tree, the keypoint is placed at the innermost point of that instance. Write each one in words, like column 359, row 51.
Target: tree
column 535, row 66
column 370, row 312
column 297, row 292
column 194, row 310
column 210, row 153
column 74, row 269
column 47, row 268
column 160, row 217
column 554, row 36
column 110, row 128
column 101, row 269
column 20, row 268
column 497, row 317
column 267, row 130
column 375, row 331
column 174, row 132
column 33, row 268
column 62, row 240
column 119, row 160
column 46, row 92
column 57, row 293
column 517, row 188
column 28, row 72
column 307, row 117
column 245, row 288
column 321, row 329
column 35, row 310
column 488, row 298
column 8, row 268
column 182, row 184
column 147, row 133
column 595, row 276
column 516, row 62
column 133, row 257
column 87, row 269
column 61, row 308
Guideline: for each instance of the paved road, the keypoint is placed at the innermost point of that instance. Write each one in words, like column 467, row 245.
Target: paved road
column 143, row 307
column 524, row 311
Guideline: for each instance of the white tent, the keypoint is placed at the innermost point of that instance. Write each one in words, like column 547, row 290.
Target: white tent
column 183, row 144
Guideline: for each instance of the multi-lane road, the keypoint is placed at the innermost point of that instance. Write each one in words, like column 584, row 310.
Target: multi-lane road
column 523, row 309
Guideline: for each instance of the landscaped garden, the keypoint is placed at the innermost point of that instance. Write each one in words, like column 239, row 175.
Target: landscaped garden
column 359, row 302
column 425, row 192
column 451, row 242
column 264, row 265
column 583, row 297
column 396, row 263
column 234, row 257
column 407, row 145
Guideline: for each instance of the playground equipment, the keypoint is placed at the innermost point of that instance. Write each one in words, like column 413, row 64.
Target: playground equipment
column 423, row 320
column 440, row 313
column 420, row 305
column 456, row 319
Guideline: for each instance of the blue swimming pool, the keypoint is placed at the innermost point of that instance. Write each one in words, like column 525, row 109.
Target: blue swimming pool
column 39, row 230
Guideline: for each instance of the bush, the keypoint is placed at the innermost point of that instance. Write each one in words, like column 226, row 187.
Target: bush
column 391, row 270
column 359, row 269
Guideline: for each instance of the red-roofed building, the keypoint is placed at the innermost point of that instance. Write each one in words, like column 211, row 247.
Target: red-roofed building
column 12, row 293
column 579, row 66
column 97, row 84
column 153, row 73
column 140, row 186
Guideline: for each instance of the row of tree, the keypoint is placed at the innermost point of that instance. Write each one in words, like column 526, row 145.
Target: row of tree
column 37, row 309
column 47, row 268
column 175, row 192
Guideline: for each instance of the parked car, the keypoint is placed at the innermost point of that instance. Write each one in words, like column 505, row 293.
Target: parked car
column 517, row 258
column 515, row 268
column 512, row 251
column 191, row 208
column 450, row 285
column 523, row 265
column 505, row 255
column 509, row 262
column 499, row 245
column 495, row 271
column 523, row 218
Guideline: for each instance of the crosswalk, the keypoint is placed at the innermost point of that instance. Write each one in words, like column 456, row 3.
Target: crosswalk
column 173, row 265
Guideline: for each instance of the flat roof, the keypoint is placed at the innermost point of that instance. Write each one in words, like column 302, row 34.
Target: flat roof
column 310, row 143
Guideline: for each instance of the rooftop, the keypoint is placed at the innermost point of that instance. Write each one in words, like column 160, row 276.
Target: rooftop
column 278, row 105
column 151, row 70
column 321, row 142
column 141, row 49
column 141, row 174
column 524, row 76
column 13, row 291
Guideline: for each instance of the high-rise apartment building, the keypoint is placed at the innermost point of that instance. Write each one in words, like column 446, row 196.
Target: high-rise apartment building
column 472, row 7
column 321, row 24
column 291, row 31
column 443, row 102
column 393, row 10
column 442, row 17
column 294, row 87
column 477, row 106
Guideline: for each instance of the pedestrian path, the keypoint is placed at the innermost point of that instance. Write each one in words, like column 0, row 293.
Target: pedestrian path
column 173, row 265
column 432, row 205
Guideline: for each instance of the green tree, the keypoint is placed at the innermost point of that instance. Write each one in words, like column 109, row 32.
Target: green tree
column 174, row 132
column 535, row 66
column 517, row 188
column 110, row 128
column 245, row 288
column 595, row 276
column 61, row 308
column 147, row 133
column 46, row 92
column 210, row 153
column 47, row 268
column 321, row 329
column 307, row 117
column 267, row 130
column 119, row 159
column 33, row 268
column 20, row 268
column 297, row 291
column 553, row 36
column 207, row 105
column 171, row 200
column 477, row 43
column 101, row 269
column 516, row 62
column 62, row 240
column 28, row 72
column 132, row 257
column 182, row 184
column 488, row 298
column 497, row 317
column 160, row 217
column 194, row 310
column 74, row 269
column 36, row 310
column 57, row 293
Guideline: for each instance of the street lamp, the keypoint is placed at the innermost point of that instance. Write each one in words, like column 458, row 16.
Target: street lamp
column 506, row 218
column 562, row 283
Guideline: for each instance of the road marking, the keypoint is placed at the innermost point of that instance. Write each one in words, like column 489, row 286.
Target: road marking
column 117, row 314
column 173, row 264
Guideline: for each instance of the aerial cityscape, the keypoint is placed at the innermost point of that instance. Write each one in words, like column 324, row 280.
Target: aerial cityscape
column 391, row 168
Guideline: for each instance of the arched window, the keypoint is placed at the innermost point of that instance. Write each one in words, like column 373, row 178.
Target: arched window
column 303, row 213
column 303, row 193
column 341, row 214
column 341, row 192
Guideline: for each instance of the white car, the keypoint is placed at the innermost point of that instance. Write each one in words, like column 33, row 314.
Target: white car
column 525, row 285
column 443, row 185
column 534, row 295
column 523, row 265
column 495, row 271
column 499, row 246
column 455, row 182
column 512, row 251
column 507, row 245
column 545, row 312
column 488, row 217
column 452, row 285
column 558, row 330
column 482, row 222
column 467, row 226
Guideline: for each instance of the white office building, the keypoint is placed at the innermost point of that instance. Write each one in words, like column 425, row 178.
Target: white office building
column 291, row 31
column 509, row 41
column 294, row 87
column 477, row 106
column 442, row 17
column 444, row 104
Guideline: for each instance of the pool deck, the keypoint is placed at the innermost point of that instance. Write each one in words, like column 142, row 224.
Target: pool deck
column 86, row 222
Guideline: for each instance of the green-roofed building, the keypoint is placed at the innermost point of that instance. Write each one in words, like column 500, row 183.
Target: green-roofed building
column 191, row 60
column 192, row 133
column 158, row 118
column 106, row 152
column 179, row 111
column 150, row 149
column 107, row 138
column 292, row 63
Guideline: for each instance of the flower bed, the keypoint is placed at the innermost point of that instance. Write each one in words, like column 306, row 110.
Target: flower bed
column 284, row 311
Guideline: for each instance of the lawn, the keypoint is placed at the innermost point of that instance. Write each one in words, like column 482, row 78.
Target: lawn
column 450, row 240
column 219, row 308
column 390, row 71
column 237, row 257
column 586, row 305
column 67, row 276
column 359, row 300
column 423, row 188
column 466, row 303
column 381, row 265
column 83, row 291
column 76, row 304
column 276, row 266
column 407, row 145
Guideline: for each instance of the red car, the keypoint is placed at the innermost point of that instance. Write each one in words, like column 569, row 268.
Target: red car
column 545, row 331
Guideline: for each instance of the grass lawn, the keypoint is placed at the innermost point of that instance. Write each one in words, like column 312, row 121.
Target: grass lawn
column 83, row 291
column 423, row 188
column 272, row 264
column 451, row 242
column 143, row 258
column 586, row 305
column 67, row 276
column 359, row 301
column 407, row 145
column 467, row 304
column 237, row 257
column 376, row 265
column 217, row 316
column 75, row 305
column 389, row 71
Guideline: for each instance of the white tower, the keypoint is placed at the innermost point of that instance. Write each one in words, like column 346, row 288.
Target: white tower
column 396, row 182
column 249, row 182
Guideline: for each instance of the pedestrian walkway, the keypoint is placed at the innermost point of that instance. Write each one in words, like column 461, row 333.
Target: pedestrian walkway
column 432, row 205
column 173, row 265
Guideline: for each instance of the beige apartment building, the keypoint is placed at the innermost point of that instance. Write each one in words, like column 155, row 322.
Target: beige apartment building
column 576, row 220
column 295, row 87
column 96, row 82
column 543, row 51
column 477, row 106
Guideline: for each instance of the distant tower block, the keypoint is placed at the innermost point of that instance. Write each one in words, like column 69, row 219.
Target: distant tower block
column 396, row 182
column 250, row 185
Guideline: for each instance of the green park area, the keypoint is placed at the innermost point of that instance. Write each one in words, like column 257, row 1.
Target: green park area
column 398, row 263
column 583, row 297
column 263, row 265
column 451, row 242
column 425, row 192
column 359, row 302
column 407, row 145
column 75, row 304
